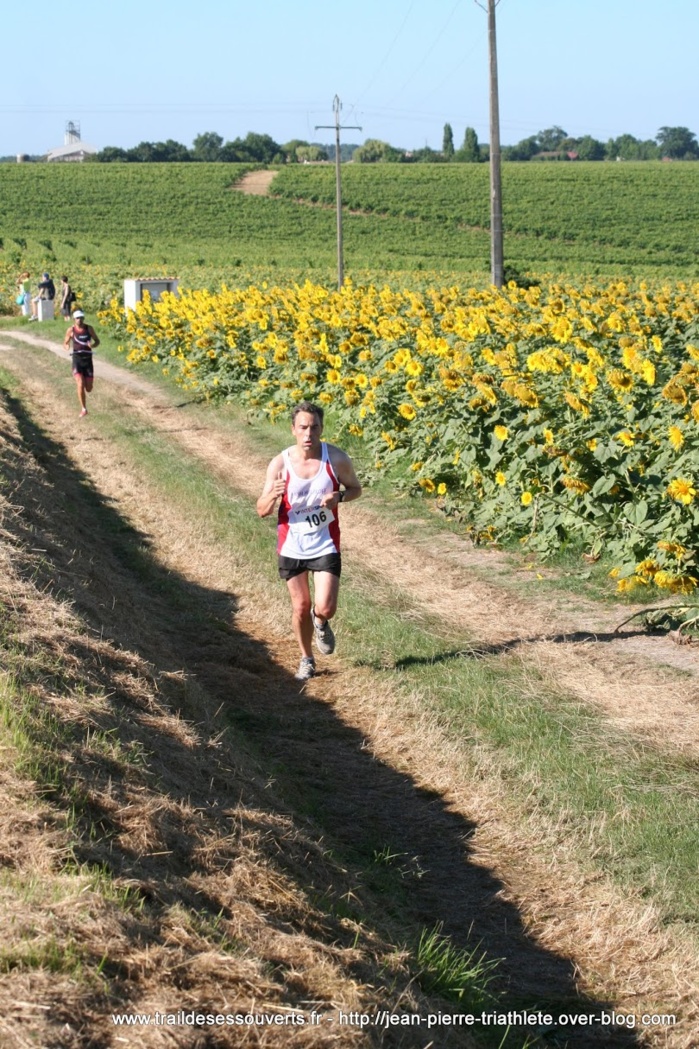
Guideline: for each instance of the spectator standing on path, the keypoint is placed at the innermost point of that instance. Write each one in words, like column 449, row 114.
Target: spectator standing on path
column 307, row 478
column 81, row 340
column 47, row 290
column 67, row 298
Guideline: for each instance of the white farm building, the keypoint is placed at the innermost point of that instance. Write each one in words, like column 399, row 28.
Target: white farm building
column 73, row 148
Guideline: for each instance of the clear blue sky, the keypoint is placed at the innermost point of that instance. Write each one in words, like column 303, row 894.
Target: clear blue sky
column 141, row 70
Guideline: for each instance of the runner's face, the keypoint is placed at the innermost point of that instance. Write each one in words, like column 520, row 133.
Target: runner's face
column 307, row 430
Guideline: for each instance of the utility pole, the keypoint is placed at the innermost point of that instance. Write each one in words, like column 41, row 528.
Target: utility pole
column 337, row 106
column 496, row 245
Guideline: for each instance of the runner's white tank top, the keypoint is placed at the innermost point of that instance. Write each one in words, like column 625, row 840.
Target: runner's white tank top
column 307, row 530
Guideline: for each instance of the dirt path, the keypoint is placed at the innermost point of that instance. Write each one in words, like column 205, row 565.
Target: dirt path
column 647, row 686
column 256, row 183
column 633, row 677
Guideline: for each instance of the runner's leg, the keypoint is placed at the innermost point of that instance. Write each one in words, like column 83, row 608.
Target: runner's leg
column 300, row 595
column 326, row 587
column 80, row 385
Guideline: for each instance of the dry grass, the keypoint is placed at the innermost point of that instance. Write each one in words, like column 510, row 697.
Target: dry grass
column 463, row 851
column 149, row 865
column 613, row 935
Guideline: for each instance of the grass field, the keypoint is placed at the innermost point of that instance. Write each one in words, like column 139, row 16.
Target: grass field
column 487, row 799
column 100, row 223
column 587, row 217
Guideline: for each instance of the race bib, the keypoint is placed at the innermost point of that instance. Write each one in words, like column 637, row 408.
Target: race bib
column 311, row 519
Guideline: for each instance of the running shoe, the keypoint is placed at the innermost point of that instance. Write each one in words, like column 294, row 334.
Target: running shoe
column 83, row 413
column 325, row 639
column 307, row 669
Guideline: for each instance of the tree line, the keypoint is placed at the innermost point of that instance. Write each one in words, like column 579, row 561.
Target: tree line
column 675, row 143
column 209, row 146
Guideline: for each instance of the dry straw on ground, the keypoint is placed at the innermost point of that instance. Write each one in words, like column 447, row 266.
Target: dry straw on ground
column 386, row 757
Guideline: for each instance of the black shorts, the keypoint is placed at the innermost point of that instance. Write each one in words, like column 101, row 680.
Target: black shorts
column 292, row 566
column 82, row 365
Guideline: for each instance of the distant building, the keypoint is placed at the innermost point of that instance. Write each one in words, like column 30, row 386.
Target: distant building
column 557, row 154
column 73, row 148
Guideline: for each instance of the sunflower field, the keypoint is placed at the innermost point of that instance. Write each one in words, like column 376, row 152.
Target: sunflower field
column 539, row 413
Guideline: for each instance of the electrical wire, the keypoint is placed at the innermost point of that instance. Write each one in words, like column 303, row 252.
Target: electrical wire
column 416, row 69
column 385, row 58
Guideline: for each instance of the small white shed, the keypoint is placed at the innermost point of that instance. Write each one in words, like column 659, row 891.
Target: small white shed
column 155, row 286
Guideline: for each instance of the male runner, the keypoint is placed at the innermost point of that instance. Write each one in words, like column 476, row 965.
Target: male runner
column 307, row 477
column 81, row 340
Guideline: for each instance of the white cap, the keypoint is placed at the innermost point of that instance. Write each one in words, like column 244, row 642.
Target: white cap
column 78, row 313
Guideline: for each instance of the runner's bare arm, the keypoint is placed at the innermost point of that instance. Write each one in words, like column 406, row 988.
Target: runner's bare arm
column 94, row 339
column 345, row 473
column 273, row 489
column 68, row 338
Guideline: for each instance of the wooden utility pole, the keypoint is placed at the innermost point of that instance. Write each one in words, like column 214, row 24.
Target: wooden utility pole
column 337, row 106
column 496, row 244
column 496, row 249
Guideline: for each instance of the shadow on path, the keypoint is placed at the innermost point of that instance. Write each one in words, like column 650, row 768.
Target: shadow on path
column 393, row 857
column 480, row 650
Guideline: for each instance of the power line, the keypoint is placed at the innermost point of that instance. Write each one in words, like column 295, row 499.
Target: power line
column 155, row 107
column 385, row 57
column 452, row 70
column 416, row 69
